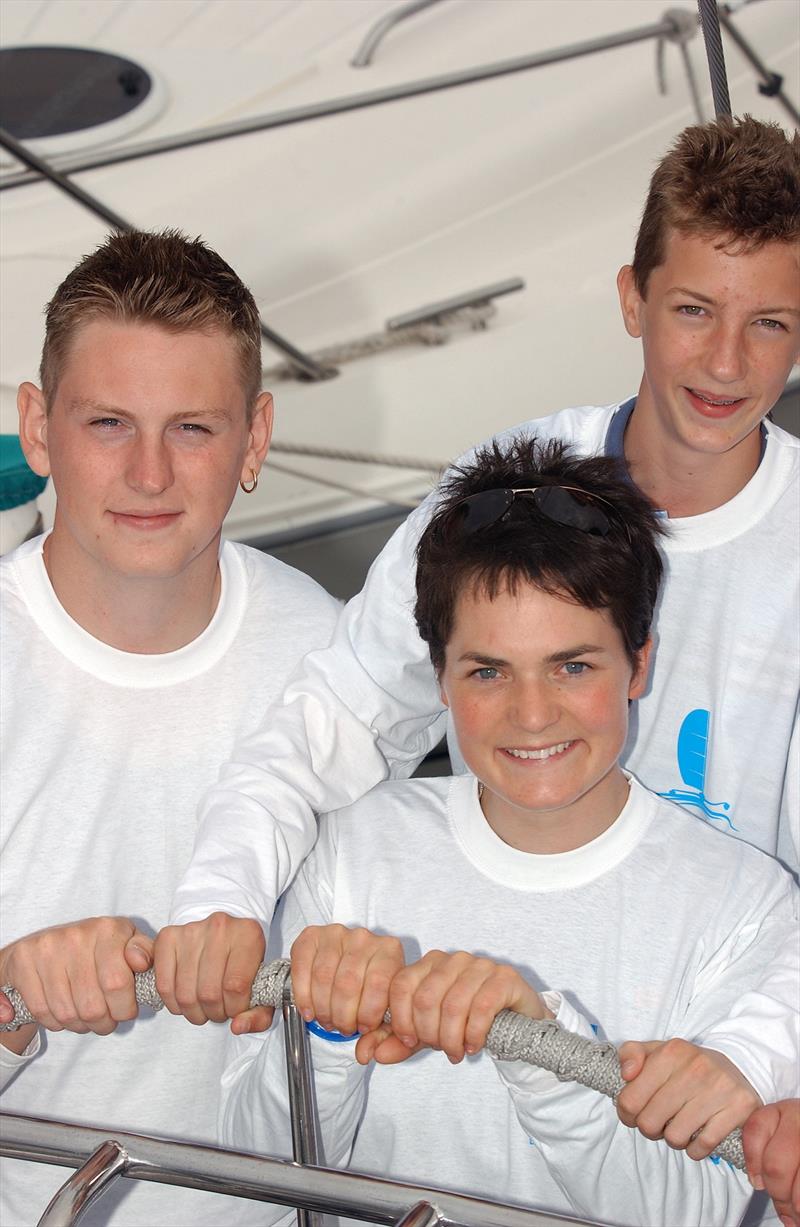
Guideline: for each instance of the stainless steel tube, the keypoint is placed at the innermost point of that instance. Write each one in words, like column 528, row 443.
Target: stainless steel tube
column 85, row 1186
column 273, row 1180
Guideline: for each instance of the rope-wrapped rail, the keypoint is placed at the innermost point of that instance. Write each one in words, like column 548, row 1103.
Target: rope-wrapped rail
column 512, row 1037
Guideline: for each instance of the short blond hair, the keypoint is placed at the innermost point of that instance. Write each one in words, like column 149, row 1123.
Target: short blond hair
column 164, row 278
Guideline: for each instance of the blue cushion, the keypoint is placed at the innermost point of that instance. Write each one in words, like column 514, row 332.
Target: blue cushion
column 18, row 483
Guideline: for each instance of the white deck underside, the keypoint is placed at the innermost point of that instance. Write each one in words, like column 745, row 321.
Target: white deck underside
column 339, row 223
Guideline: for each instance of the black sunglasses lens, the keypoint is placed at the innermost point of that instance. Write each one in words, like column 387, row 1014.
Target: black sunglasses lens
column 485, row 508
column 572, row 509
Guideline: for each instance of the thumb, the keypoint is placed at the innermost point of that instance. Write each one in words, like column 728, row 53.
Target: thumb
column 632, row 1056
column 259, row 1018
column 139, row 952
column 6, row 1009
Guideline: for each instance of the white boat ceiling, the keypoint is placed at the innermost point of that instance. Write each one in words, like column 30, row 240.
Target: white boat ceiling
column 339, row 223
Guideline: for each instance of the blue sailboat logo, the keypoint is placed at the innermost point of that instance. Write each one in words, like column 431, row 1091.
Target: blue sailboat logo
column 692, row 757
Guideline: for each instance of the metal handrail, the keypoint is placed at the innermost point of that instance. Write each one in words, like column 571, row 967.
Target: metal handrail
column 352, row 102
column 86, row 1186
column 377, row 33
column 302, row 1103
column 260, row 1179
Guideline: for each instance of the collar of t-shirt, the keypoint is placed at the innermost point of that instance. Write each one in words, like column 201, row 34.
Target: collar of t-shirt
column 133, row 669
column 530, row 871
column 722, row 523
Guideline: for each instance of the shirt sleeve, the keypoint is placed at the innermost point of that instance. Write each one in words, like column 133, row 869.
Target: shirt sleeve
column 789, row 818
column 355, row 713
column 610, row 1173
column 744, row 1003
column 11, row 1063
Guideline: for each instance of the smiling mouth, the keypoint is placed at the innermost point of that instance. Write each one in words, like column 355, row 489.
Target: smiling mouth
column 540, row 755
column 716, row 402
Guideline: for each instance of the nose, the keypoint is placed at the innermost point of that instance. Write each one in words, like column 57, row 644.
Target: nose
column 150, row 466
column 727, row 353
column 535, row 705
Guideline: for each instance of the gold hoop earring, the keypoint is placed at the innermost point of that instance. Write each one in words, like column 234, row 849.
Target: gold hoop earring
column 253, row 483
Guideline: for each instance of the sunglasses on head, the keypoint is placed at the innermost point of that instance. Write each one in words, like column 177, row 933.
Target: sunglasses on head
column 566, row 505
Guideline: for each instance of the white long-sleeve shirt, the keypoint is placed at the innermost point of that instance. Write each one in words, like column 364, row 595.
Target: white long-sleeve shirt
column 657, row 928
column 105, row 756
column 713, row 731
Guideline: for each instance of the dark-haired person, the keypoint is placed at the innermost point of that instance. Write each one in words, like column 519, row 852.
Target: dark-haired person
column 136, row 648
column 579, row 894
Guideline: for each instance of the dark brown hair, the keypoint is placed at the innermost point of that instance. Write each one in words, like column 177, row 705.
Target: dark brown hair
column 736, row 179
column 165, row 279
column 619, row 572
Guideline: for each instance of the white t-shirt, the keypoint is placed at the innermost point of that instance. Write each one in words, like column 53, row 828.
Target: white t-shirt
column 659, row 927
column 105, row 756
column 716, row 731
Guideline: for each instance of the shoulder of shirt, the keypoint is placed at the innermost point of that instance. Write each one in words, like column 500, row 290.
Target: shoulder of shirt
column 581, row 424
column 584, row 425
column 420, row 799
column 283, row 580
column 777, row 437
column 16, row 558
column 697, row 844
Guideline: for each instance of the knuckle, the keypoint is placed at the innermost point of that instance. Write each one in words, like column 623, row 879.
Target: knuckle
column 236, row 983
column 115, row 979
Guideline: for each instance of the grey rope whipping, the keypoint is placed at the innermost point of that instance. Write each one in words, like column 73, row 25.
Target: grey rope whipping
column 512, row 1037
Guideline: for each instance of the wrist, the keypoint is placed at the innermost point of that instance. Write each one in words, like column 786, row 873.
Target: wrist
column 17, row 1041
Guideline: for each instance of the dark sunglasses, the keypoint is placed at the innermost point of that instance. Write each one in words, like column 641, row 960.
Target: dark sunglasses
column 566, row 505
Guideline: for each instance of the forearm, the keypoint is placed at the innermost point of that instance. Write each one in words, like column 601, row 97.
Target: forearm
column 590, row 1155
column 18, row 1050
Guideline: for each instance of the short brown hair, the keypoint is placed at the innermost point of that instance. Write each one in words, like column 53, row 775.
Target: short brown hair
column 619, row 572
column 163, row 278
column 738, row 179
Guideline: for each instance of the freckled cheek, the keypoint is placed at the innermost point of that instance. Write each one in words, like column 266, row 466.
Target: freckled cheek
column 472, row 719
column 604, row 711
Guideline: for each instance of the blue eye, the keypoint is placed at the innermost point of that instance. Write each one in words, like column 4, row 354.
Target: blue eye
column 486, row 674
column 574, row 668
column 106, row 423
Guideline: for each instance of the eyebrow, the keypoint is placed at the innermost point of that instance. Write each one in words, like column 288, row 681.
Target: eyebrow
column 557, row 658
column 80, row 405
column 684, row 289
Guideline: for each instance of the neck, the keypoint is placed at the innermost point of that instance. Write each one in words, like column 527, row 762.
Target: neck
column 142, row 614
column 548, row 832
column 678, row 478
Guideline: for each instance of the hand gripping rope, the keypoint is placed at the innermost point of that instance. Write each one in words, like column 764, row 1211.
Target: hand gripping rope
column 512, row 1037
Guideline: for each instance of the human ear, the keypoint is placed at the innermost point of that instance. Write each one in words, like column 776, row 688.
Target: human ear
column 260, row 432
column 638, row 682
column 630, row 300
column 33, row 428
column 443, row 692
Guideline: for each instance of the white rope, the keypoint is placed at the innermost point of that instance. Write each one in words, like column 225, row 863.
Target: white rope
column 340, row 485
column 431, row 332
column 351, row 457
column 512, row 1037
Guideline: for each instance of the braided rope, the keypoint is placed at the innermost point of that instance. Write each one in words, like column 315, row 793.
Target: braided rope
column 428, row 332
column 352, row 457
column 512, row 1037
